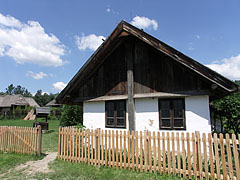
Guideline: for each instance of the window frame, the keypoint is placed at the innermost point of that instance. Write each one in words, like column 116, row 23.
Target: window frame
column 115, row 114
column 172, row 114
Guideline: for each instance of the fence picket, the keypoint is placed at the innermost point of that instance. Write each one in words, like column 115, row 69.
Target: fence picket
column 149, row 152
column 21, row 140
column 235, row 152
column 229, row 155
column 141, row 152
column 216, row 156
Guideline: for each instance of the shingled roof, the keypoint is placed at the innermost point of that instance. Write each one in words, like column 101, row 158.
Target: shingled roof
column 17, row 100
column 126, row 29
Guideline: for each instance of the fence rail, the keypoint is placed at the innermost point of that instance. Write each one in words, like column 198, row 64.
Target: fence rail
column 185, row 154
column 23, row 140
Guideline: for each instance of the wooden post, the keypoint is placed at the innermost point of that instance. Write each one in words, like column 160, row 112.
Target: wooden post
column 130, row 83
column 39, row 141
column 59, row 141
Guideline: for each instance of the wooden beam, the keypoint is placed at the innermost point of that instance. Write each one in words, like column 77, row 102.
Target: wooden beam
column 129, row 58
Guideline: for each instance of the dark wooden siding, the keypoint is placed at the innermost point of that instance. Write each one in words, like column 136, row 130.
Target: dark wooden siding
column 109, row 79
column 157, row 72
column 153, row 72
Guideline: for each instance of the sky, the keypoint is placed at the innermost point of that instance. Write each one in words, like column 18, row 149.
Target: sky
column 44, row 43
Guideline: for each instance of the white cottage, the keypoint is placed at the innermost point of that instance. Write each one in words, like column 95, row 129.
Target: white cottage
column 135, row 82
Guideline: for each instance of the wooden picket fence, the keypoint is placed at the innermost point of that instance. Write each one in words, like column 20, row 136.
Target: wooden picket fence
column 22, row 140
column 185, row 154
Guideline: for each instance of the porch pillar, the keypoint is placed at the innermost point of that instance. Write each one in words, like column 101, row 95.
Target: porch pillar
column 129, row 57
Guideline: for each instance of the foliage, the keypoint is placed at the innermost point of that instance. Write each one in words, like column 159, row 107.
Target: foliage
column 227, row 110
column 72, row 115
column 43, row 98
column 11, row 89
column 55, row 113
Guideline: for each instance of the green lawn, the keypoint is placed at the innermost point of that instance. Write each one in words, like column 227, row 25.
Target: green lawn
column 62, row 169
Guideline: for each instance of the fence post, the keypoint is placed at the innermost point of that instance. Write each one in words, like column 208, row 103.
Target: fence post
column 59, row 141
column 198, row 153
column 39, row 140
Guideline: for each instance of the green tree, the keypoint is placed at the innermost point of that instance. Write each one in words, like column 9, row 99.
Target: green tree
column 10, row 89
column 72, row 115
column 227, row 110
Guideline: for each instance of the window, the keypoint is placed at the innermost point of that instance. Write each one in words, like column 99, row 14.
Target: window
column 172, row 114
column 115, row 114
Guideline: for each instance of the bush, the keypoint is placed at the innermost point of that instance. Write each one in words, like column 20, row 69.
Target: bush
column 71, row 115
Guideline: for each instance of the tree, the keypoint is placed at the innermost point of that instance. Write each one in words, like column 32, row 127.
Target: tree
column 11, row 89
column 227, row 110
column 71, row 115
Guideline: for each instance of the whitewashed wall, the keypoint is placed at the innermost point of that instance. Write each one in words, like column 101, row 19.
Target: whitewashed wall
column 147, row 116
column 94, row 115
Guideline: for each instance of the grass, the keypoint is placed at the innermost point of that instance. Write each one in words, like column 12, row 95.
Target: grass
column 61, row 169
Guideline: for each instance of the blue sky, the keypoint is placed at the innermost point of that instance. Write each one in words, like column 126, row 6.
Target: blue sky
column 44, row 43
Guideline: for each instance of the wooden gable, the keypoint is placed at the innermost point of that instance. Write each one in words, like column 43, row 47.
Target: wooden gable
column 158, row 70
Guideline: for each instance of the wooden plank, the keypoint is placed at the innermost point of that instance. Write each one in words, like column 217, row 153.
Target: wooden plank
column 64, row 153
column 229, row 155
column 141, row 152
column 150, row 151
column 236, row 158
column 159, row 154
column 216, row 156
column 120, row 150
column 109, row 150
column 130, row 84
column 113, row 149
column 205, row 156
column 146, row 151
column 168, row 154
column 137, row 153
column 106, row 148
column 154, row 153
column 133, row 150
column 194, row 155
column 117, row 149
column 189, row 156
column 85, row 146
column 82, row 137
column 223, row 158
column 164, row 152
column 173, row 153
column 99, row 147
column 210, row 150
column 92, row 146
column 124, row 149
column 95, row 147
column 129, row 149
column 199, row 155
column 102, row 148
column 88, row 145
column 183, row 155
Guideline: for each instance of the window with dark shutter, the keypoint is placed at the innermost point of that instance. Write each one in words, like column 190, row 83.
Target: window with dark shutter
column 172, row 114
column 115, row 114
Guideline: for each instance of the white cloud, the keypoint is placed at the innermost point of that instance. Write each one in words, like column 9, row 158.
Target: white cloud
column 144, row 23
column 228, row 67
column 59, row 85
column 197, row 36
column 108, row 9
column 91, row 42
column 28, row 43
column 39, row 75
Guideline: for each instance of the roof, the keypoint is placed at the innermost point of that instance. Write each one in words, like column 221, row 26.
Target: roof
column 42, row 110
column 52, row 103
column 125, row 29
column 18, row 100
column 31, row 102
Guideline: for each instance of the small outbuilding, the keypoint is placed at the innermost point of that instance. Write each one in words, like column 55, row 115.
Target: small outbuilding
column 136, row 82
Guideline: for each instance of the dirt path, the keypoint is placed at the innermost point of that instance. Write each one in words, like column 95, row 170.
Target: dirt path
column 32, row 167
